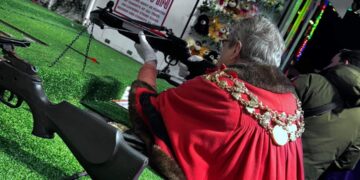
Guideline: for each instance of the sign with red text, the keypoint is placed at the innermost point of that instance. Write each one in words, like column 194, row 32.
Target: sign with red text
column 150, row 11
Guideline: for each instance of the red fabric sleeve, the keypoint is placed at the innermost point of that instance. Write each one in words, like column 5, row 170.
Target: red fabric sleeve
column 148, row 74
column 212, row 137
column 199, row 118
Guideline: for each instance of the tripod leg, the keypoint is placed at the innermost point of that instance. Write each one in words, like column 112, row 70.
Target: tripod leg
column 88, row 46
column 67, row 47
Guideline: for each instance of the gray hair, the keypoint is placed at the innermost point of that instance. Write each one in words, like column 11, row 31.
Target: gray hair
column 260, row 38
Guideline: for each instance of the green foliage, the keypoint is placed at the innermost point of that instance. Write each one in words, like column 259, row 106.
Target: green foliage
column 109, row 110
column 60, row 84
column 102, row 88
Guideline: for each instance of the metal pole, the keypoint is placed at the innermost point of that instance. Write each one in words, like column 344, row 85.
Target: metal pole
column 90, row 7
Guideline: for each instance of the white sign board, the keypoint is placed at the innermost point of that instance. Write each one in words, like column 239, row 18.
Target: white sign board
column 150, row 11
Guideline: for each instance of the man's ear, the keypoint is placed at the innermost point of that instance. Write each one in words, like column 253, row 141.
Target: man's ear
column 236, row 50
column 346, row 62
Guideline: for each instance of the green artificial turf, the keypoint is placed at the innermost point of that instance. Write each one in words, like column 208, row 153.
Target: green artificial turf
column 23, row 156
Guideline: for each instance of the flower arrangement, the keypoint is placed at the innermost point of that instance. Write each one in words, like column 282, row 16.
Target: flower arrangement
column 215, row 17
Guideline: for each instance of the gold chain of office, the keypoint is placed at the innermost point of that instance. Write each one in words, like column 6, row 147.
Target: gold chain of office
column 282, row 127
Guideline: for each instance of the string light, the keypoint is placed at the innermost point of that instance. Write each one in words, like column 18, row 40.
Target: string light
column 298, row 21
column 314, row 26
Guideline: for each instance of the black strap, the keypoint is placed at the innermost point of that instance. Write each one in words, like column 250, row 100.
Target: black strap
column 134, row 141
column 155, row 119
column 14, row 42
column 321, row 109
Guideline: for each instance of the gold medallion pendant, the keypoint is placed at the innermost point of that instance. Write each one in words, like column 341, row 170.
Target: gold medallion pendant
column 282, row 127
column 279, row 135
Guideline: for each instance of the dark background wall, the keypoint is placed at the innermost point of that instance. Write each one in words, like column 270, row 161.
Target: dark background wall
column 333, row 34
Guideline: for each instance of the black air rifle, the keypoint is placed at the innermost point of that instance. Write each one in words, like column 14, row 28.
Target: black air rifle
column 160, row 38
column 101, row 149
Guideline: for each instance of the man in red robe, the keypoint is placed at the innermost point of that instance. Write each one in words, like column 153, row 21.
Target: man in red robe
column 240, row 121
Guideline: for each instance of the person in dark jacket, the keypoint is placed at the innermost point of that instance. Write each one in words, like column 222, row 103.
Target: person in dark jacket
column 355, row 6
column 332, row 137
column 344, row 73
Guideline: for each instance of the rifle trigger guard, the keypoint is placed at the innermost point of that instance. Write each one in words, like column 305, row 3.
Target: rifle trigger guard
column 9, row 99
column 170, row 61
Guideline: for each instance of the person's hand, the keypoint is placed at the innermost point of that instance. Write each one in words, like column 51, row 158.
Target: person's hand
column 144, row 49
column 183, row 70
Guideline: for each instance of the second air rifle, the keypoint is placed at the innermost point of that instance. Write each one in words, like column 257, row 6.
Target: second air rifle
column 160, row 38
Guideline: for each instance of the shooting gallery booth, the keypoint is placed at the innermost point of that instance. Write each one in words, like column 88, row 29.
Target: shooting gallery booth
column 297, row 22
column 203, row 24
column 174, row 14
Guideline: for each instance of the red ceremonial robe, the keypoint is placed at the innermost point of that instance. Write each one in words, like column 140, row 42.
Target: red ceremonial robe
column 212, row 137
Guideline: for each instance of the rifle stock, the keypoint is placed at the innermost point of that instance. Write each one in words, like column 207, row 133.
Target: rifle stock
column 100, row 148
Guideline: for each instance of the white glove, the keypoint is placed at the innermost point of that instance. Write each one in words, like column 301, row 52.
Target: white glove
column 144, row 49
column 183, row 70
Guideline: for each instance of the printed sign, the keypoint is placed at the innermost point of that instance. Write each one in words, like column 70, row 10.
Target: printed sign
column 150, row 11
